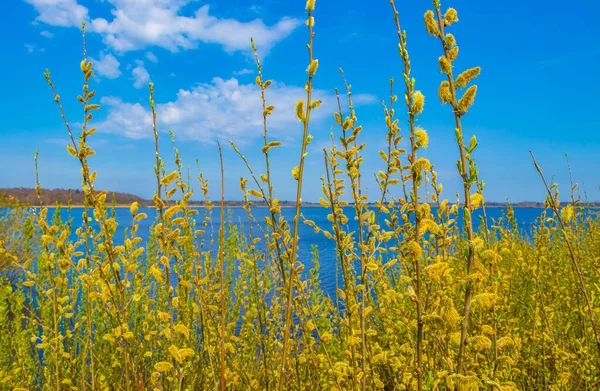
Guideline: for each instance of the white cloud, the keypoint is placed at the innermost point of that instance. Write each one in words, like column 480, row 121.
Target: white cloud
column 140, row 75
column 235, row 35
column 162, row 23
column 107, row 66
column 219, row 110
column 30, row 47
column 151, row 57
column 64, row 13
column 364, row 99
column 46, row 34
column 128, row 119
column 245, row 71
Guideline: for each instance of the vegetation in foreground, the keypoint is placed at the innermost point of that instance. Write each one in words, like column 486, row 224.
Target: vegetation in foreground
column 422, row 303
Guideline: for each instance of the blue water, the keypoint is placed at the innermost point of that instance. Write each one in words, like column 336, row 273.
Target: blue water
column 308, row 238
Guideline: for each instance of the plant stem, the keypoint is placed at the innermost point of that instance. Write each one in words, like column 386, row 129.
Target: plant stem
column 468, row 209
column 222, row 267
column 293, row 255
column 415, row 196
column 571, row 253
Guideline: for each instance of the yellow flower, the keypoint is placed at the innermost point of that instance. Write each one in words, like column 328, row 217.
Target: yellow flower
column 312, row 68
column 451, row 16
column 300, row 110
column 567, row 213
column 444, row 92
column 182, row 329
column 422, row 138
column 435, row 271
column 476, row 200
column 464, row 78
column 450, row 314
column 453, row 53
column 421, row 164
column 445, row 65
column 481, row 342
column 186, row 352
column 418, row 102
column 296, row 172
column 467, row 100
column 431, row 25
column 175, row 354
column 484, row 300
column 163, row 366
column 134, row 208
column 413, row 248
column 450, row 41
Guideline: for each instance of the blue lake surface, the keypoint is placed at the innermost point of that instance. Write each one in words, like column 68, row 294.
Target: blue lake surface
column 308, row 238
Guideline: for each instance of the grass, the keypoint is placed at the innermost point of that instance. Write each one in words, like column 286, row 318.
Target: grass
column 422, row 303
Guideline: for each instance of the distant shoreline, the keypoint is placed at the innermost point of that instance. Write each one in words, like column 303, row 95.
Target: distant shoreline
column 49, row 198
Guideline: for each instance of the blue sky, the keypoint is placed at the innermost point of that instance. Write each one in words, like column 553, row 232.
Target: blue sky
column 538, row 88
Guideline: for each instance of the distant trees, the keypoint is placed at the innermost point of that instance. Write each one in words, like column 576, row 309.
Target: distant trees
column 62, row 196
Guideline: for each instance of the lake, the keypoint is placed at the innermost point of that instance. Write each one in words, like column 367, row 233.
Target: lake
column 308, row 238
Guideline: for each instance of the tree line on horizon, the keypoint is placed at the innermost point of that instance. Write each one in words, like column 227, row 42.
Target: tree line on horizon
column 65, row 197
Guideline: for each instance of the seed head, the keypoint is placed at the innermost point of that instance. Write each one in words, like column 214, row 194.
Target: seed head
column 444, row 92
column 422, row 138
column 464, row 78
column 431, row 25
column 451, row 16
column 445, row 65
column 467, row 100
